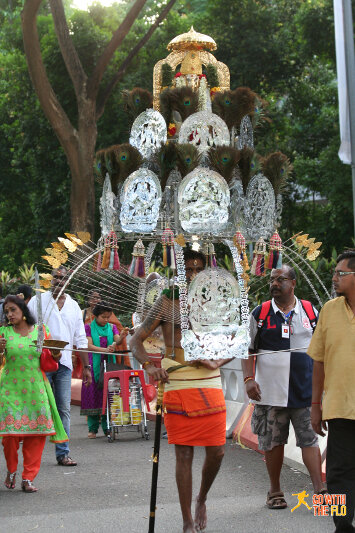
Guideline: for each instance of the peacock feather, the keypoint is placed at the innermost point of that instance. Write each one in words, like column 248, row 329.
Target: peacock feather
column 188, row 158
column 136, row 101
column 244, row 164
column 277, row 168
column 260, row 114
column 255, row 164
column 232, row 106
column 224, row 159
column 166, row 158
column 183, row 100
column 100, row 166
column 119, row 160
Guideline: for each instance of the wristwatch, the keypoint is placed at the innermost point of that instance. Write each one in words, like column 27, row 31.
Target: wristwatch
column 87, row 366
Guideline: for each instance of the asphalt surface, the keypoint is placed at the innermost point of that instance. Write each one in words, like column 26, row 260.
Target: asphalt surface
column 109, row 491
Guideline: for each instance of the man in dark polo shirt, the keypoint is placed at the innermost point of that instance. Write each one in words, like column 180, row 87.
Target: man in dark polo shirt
column 282, row 387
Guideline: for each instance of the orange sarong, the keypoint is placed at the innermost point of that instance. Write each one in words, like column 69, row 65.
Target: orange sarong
column 195, row 417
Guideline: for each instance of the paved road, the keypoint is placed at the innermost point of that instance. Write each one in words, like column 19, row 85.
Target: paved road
column 109, row 491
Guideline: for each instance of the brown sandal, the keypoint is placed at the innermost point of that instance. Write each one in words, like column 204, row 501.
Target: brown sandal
column 10, row 481
column 27, row 486
column 66, row 461
column 276, row 500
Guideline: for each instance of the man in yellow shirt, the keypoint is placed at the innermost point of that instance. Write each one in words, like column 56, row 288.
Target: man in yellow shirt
column 333, row 350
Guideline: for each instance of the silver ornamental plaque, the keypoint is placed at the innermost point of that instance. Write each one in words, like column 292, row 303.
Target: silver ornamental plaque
column 108, row 212
column 140, row 200
column 246, row 136
column 238, row 205
column 214, row 301
column 205, row 130
column 148, row 132
column 203, row 199
column 259, row 208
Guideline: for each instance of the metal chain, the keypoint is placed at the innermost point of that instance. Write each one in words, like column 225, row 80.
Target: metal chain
column 244, row 304
column 181, row 276
column 143, row 282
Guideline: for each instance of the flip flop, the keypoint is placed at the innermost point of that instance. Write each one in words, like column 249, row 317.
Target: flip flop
column 276, row 500
column 10, row 481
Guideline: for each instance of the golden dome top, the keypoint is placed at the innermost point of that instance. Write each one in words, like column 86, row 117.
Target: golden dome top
column 192, row 41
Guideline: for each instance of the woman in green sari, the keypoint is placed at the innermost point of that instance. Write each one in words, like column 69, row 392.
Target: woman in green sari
column 28, row 411
column 105, row 338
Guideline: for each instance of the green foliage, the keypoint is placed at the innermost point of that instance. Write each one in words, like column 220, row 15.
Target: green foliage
column 166, row 75
column 27, row 274
column 34, row 204
column 212, row 75
column 9, row 282
column 6, row 282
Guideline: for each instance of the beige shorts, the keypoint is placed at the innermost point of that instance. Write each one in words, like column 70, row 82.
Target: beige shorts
column 271, row 425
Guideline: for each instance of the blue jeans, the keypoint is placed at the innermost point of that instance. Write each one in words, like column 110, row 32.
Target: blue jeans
column 61, row 384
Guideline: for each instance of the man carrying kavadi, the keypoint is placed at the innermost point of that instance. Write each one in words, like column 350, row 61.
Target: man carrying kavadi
column 194, row 406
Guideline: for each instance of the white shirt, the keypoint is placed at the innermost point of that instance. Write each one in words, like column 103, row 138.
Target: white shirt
column 65, row 324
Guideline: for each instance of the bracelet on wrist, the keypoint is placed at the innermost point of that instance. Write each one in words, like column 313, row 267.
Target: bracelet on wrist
column 316, row 403
column 248, row 378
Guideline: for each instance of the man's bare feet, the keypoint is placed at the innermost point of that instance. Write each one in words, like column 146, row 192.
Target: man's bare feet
column 189, row 528
column 200, row 515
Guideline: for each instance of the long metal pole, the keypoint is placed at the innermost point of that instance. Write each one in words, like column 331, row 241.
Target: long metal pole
column 155, row 469
column 350, row 82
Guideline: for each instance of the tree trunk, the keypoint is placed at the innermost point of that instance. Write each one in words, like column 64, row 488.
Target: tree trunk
column 82, row 196
column 78, row 144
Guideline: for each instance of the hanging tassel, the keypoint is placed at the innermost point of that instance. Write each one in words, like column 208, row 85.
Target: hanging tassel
column 275, row 251
column 167, row 240
column 132, row 266
column 212, row 256
column 165, row 257
column 172, row 258
column 140, row 269
column 275, row 258
column 245, row 262
column 257, row 268
column 105, row 258
column 94, row 264
column 112, row 258
column 98, row 264
column 253, row 265
column 116, row 261
column 270, row 259
column 262, row 266
column 279, row 262
column 239, row 243
column 258, row 265
column 137, row 267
